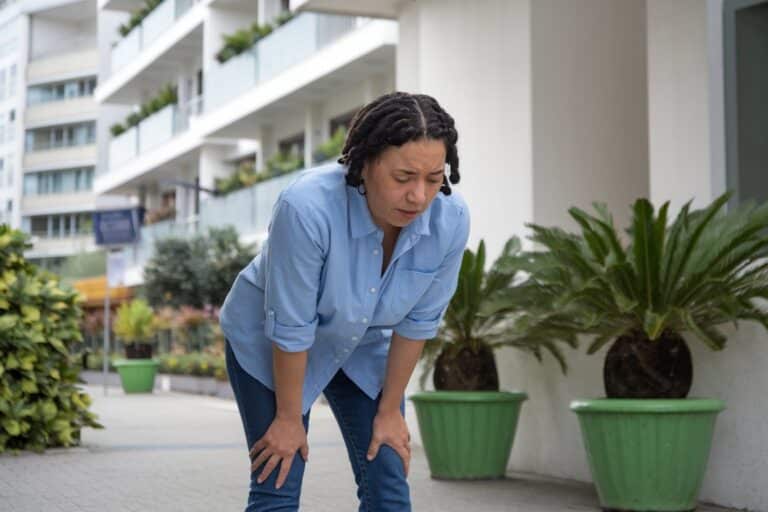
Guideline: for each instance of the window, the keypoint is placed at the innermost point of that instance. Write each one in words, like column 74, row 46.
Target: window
column 746, row 111
column 39, row 226
column 59, row 91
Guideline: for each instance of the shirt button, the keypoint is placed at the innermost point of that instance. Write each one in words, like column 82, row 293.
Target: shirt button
column 373, row 290
column 375, row 252
column 345, row 351
column 364, row 320
column 354, row 338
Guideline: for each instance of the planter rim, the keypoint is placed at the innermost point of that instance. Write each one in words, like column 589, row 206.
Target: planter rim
column 660, row 406
column 135, row 362
column 469, row 396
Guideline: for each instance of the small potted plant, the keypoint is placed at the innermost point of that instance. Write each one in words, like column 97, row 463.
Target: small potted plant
column 647, row 444
column 467, row 425
column 135, row 326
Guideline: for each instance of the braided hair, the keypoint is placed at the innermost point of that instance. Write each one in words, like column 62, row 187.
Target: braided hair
column 393, row 120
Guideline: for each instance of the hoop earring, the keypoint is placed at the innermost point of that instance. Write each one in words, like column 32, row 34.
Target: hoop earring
column 361, row 187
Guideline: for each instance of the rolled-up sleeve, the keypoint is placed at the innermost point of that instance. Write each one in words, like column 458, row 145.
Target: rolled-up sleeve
column 423, row 321
column 293, row 266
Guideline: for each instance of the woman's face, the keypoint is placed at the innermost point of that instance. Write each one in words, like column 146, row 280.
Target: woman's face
column 402, row 182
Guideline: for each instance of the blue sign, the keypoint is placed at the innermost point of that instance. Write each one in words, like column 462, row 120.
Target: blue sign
column 117, row 227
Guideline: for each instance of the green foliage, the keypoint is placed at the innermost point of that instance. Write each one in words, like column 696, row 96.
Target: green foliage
column 138, row 16
column 195, row 272
column 331, row 149
column 243, row 39
column 40, row 404
column 135, row 322
column 196, row 363
column 473, row 320
column 167, row 96
column 705, row 269
column 246, row 175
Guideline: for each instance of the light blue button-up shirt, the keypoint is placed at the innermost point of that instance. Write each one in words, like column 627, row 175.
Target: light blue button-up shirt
column 317, row 283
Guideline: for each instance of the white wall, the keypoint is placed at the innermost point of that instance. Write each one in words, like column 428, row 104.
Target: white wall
column 685, row 113
column 477, row 64
column 589, row 144
column 53, row 36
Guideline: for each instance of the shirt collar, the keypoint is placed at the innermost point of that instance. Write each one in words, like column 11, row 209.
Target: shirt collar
column 361, row 223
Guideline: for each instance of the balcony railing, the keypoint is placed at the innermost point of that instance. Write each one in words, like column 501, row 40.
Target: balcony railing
column 152, row 27
column 248, row 210
column 288, row 45
column 156, row 129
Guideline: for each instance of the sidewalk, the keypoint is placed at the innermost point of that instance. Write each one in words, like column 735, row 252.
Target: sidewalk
column 176, row 452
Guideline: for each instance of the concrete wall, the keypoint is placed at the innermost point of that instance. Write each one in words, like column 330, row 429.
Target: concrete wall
column 477, row 64
column 589, row 144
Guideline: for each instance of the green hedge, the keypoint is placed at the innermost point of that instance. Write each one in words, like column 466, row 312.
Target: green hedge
column 197, row 364
column 40, row 404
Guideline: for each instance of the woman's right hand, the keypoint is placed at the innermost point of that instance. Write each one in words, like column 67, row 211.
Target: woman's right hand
column 284, row 437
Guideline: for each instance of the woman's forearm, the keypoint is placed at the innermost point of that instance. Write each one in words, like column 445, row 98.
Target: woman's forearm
column 288, row 369
column 403, row 355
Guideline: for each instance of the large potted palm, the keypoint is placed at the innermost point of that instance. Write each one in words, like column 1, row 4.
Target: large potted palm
column 467, row 425
column 647, row 444
column 136, row 326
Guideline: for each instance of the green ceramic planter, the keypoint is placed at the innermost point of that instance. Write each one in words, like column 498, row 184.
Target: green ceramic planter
column 467, row 434
column 137, row 375
column 648, row 455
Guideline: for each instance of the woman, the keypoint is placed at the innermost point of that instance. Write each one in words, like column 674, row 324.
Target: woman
column 361, row 261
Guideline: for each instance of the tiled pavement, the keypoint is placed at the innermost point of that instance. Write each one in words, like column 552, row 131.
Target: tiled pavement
column 175, row 452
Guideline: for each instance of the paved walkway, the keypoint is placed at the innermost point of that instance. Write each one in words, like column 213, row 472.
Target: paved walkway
column 175, row 452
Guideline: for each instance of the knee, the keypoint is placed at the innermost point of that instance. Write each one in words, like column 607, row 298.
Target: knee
column 387, row 487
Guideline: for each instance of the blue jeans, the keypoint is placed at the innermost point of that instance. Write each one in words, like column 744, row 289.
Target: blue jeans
column 381, row 483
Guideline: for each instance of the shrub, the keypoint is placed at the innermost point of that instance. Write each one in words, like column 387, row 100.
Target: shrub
column 40, row 404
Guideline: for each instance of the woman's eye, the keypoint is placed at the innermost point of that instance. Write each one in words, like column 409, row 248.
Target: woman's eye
column 401, row 180
column 436, row 182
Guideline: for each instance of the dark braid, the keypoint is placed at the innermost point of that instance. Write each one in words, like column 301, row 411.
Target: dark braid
column 393, row 120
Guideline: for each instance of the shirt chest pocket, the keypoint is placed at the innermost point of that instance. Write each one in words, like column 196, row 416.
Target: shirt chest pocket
column 405, row 290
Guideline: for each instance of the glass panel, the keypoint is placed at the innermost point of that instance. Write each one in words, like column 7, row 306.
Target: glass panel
column 30, row 185
column 55, row 226
column 39, row 226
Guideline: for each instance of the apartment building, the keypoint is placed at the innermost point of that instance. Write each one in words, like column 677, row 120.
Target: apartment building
column 198, row 110
column 48, row 125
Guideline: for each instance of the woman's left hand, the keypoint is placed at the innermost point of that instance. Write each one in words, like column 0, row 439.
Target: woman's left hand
column 390, row 428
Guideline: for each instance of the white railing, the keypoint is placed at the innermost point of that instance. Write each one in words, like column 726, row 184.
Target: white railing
column 153, row 26
column 248, row 210
column 287, row 46
column 124, row 147
column 141, row 252
column 157, row 128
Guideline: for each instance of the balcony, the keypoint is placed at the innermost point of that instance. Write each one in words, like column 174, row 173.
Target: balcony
column 67, row 111
column 153, row 131
column 151, row 54
column 44, row 204
column 287, row 46
column 63, row 66
column 138, row 255
column 248, row 210
column 153, row 26
column 72, row 156
column 120, row 5
column 312, row 56
column 61, row 246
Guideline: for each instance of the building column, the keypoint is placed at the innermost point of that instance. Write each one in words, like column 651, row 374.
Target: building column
column 268, row 146
column 315, row 132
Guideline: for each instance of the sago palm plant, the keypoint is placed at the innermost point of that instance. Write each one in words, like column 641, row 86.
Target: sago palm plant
column 462, row 354
column 705, row 269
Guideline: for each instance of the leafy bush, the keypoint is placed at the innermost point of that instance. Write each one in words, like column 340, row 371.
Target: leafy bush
column 135, row 322
column 40, row 404
column 244, row 39
column 195, row 272
column 138, row 16
column 196, row 363
column 331, row 149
